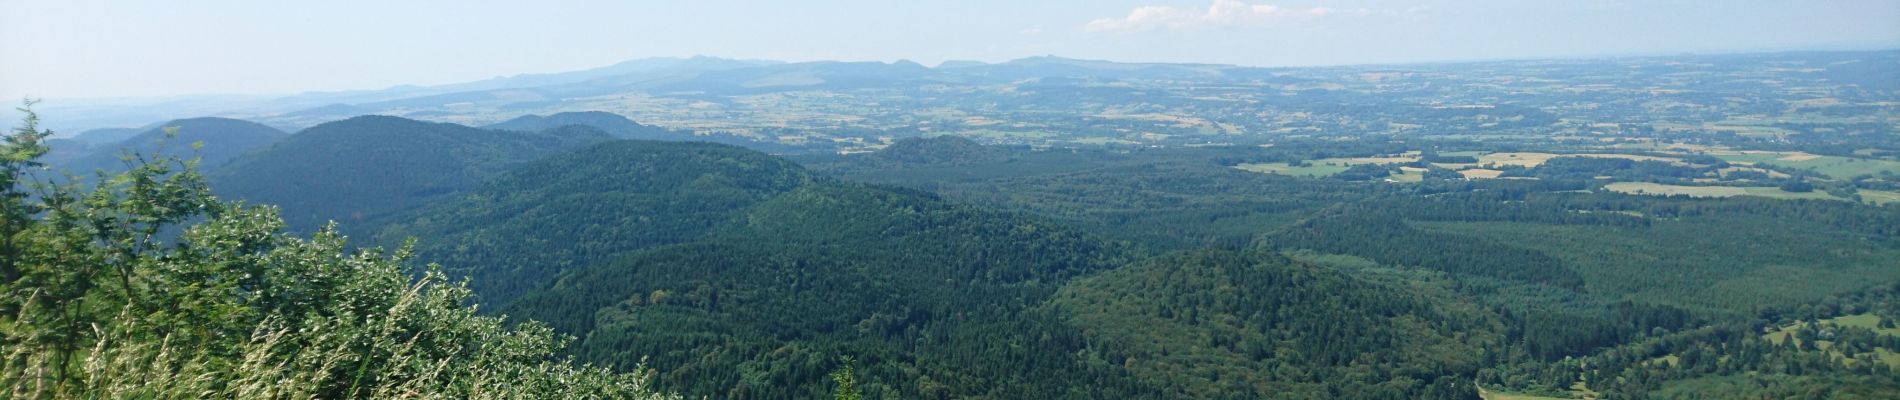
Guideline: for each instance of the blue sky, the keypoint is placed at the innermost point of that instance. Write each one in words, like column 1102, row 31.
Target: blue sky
column 91, row 49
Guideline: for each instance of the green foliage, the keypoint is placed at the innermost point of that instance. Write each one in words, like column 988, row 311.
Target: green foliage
column 146, row 286
column 847, row 381
column 1364, row 172
column 1797, row 186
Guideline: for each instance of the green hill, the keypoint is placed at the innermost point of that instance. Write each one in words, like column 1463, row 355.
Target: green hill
column 359, row 169
column 763, row 275
column 735, row 274
column 215, row 141
column 612, row 124
column 934, row 299
column 591, row 205
column 1223, row 324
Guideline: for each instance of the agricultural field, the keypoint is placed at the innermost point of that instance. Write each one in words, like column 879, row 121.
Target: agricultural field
column 1408, row 175
column 1480, row 173
column 1526, row 160
column 1657, row 189
column 1835, row 167
column 1879, row 197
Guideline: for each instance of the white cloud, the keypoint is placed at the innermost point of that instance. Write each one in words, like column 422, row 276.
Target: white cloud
column 1223, row 13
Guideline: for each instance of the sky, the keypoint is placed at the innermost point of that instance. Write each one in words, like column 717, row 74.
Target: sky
column 148, row 48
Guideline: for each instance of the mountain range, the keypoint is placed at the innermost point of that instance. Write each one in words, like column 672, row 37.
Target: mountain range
column 650, row 76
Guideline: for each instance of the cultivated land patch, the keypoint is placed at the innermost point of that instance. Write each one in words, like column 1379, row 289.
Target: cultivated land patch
column 1532, row 160
column 1479, row 173
column 1634, row 157
column 1657, row 189
column 1835, row 167
column 1798, row 157
column 1408, row 175
column 1771, row 173
column 1879, row 197
column 1526, row 160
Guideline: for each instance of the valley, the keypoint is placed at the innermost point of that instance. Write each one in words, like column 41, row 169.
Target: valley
column 1630, row 228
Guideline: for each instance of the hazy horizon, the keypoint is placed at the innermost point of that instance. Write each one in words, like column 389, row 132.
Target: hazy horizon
column 145, row 49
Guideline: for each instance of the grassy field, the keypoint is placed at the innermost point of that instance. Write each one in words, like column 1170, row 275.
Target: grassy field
column 1832, row 166
column 1480, row 173
column 1525, row 159
column 1879, row 197
column 1657, row 189
column 1408, row 175
column 1844, row 167
column 1529, row 160
column 1868, row 321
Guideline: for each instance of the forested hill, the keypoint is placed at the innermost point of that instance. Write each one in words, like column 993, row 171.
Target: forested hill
column 739, row 274
column 215, row 141
column 934, row 299
column 612, row 124
column 594, row 204
column 1226, row 324
column 362, row 168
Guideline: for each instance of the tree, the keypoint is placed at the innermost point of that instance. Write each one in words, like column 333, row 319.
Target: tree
column 847, row 381
column 111, row 294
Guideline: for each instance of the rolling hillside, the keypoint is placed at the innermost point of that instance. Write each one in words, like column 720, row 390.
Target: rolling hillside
column 215, row 141
column 359, row 169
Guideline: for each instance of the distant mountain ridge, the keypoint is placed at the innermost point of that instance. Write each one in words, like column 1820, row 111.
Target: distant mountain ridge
column 214, row 141
column 612, row 124
column 663, row 74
